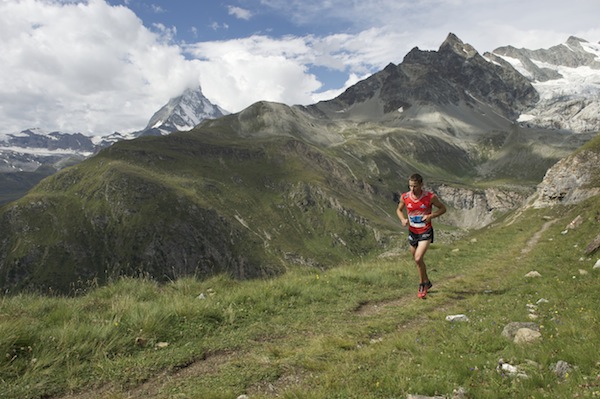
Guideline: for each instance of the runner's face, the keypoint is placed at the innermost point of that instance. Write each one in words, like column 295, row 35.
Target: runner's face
column 415, row 187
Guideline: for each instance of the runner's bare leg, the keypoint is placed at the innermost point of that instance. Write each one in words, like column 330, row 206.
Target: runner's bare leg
column 418, row 254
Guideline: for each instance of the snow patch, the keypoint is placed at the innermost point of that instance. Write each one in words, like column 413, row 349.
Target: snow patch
column 45, row 151
column 525, row 118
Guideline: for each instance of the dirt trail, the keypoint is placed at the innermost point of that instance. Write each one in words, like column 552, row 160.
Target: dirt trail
column 373, row 308
column 152, row 388
column 536, row 237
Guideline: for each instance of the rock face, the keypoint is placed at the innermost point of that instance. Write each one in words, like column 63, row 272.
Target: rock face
column 475, row 209
column 570, row 180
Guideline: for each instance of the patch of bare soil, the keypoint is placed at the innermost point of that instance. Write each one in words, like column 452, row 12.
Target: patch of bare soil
column 152, row 388
column 536, row 237
column 373, row 308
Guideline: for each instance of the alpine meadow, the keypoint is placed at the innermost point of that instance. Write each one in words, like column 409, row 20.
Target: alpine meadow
column 259, row 254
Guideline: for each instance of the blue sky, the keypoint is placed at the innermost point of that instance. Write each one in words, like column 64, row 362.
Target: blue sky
column 99, row 66
column 213, row 19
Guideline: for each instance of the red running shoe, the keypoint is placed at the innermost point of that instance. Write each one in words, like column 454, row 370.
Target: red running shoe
column 423, row 288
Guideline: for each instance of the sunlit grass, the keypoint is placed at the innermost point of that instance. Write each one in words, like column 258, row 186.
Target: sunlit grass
column 357, row 330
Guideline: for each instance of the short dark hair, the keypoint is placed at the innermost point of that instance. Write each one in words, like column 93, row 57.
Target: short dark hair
column 416, row 177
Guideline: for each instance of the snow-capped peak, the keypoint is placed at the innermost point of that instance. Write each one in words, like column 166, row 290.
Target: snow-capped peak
column 567, row 79
column 184, row 112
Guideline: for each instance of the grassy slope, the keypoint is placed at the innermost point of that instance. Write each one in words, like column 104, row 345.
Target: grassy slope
column 356, row 330
column 246, row 201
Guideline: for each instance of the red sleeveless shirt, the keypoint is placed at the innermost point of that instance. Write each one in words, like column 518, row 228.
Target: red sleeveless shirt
column 416, row 209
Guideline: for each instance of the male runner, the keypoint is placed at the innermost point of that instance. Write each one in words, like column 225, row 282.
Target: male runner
column 419, row 206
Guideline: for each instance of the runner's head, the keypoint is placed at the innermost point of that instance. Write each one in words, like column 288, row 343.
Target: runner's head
column 415, row 183
column 416, row 178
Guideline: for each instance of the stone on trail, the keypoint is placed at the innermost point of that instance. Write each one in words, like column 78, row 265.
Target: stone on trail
column 457, row 318
column 533, row 274
column 510, row 330
column 526, row 336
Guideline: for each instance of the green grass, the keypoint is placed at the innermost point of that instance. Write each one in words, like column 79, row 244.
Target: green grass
column 353, row 331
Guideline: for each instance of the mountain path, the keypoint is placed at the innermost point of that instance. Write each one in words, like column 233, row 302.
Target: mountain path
column 537, row 236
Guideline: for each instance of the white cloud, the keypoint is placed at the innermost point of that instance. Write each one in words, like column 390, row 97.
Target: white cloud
column 237, row 73
column 166, row 34
column 84, row 67
column 216, row 26
column 329, row 94
column 157, row 9
column 239, row 12
column 486, row 24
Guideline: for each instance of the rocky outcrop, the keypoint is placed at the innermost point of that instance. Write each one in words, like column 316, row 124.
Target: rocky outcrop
column 476, row 209
column 570, row 180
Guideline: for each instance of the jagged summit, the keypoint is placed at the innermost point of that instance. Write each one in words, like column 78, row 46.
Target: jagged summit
column 453, row 43
column 429, row 82
column 182, row 113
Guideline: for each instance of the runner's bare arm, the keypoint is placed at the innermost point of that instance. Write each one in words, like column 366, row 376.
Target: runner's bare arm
column 441, row 208
column 400, row 213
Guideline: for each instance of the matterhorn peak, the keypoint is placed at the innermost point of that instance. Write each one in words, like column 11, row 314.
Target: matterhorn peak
column 183, row 113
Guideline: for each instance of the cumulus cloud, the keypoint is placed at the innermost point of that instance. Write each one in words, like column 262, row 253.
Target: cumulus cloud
column 85, row 67
column 237, row 73
column 239, row 12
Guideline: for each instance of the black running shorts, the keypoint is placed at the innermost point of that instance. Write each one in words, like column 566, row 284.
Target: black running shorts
column 413, row 239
